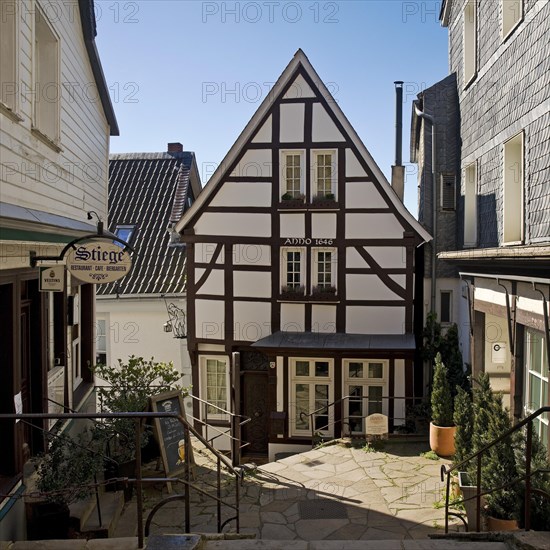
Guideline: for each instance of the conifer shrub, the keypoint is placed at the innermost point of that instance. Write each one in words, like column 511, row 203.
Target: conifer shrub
column 442, row 404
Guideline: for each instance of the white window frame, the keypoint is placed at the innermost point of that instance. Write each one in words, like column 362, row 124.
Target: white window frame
column 469, row 42
column 102, row 331
column 334, row 174
column 9, row 63
column 311, row 381
column 43, row 97
column 511, row 16
column 543, row 420
column 204, row 386
column 450, row 293
column 315, row 266
column 283, row 160
column 365, row 382
column 513, row 190
column 470, row 205
column 284, row 272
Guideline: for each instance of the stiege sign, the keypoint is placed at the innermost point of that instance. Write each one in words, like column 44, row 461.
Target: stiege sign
column 98, row 262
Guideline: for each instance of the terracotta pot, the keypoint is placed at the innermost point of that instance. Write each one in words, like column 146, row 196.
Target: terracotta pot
column 442, row 440
column 494, row 524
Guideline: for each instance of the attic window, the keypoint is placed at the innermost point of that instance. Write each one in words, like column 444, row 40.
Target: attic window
column 125, row 232
column 448, row 192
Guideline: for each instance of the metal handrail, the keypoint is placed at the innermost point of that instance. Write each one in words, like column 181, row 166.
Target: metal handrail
column 446, row 471
column 139, row 417
column 344, row 418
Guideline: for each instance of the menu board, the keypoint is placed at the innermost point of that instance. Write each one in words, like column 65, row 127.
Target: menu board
column 171, row 433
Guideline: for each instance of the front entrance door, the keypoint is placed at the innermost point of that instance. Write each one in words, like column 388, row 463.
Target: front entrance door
column 254, row 402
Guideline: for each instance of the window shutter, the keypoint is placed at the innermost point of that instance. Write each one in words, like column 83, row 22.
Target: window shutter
column 448, row 191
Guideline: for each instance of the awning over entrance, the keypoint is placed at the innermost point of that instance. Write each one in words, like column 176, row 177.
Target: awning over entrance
column 336, row 341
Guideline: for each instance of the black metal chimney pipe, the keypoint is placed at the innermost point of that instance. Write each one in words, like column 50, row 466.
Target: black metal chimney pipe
column 398, row 122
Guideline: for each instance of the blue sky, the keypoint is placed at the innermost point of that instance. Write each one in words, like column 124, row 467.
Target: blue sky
column 196, row 71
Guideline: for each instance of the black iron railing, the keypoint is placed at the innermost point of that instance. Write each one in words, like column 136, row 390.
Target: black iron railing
column 139, row 417
column 446, row 472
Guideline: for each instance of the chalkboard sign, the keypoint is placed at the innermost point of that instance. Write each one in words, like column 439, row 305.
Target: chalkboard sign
column 171, row 433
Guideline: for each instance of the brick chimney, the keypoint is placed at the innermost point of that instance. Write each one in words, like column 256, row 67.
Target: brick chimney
column 176, row 147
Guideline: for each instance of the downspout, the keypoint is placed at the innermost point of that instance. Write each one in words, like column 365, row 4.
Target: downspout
column 431, row 120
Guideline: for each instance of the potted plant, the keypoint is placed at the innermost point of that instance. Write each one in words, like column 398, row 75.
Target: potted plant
column 128, row 388
column 323, row 293
column 442, row 429
column 324, row 200
column 463, row 418
column 291, row 201
column 65, row 474
column 293, row 292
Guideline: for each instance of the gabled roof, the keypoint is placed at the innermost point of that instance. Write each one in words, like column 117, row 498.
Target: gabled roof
column 148, row 190
column 299, row 60
column 87, row 19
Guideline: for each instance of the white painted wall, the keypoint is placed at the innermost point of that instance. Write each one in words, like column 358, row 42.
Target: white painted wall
column 209, row 319
column 323, row 318
column 251, row 254
column 391, row 257
column 243, row 194
column 299, row 88
column 363, row 194
column 235, row 224
column 34, row 175
column 252, row 320
column 255, row 284
column 293, row 317
column 353, row 167
column 135, row 327
column 214, row 283
column 293, row 225
column 264, row 133
column 373, row 226
column 292, row 122
column 323, row 226
column 323, row 128
column 255, row 163
column 375, row 320
column 368, row 287
column 204, row 253
column 399, row 404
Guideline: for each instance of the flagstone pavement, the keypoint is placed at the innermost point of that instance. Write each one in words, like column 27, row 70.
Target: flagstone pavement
column 334, row 492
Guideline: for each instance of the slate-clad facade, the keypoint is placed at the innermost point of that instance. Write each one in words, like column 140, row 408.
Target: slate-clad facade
column 148, row 194
column 499, row 57
column 301, row 275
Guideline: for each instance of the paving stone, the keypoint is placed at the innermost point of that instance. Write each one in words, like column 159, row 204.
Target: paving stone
column 256, row 545
column 318, row 529
column 49, row 545
column 351, row 531
column 272, row 517
column 272, row 531
column 375, row 533
column 126, row 543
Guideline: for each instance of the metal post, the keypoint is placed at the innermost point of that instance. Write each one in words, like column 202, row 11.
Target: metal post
column 478, row 494
column 237, row 497
column 138, row 483
column 528, row 453
column 219, row 494
column 187, row 482
column 447, row 502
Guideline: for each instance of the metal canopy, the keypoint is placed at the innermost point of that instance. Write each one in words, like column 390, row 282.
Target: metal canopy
column 337, row 341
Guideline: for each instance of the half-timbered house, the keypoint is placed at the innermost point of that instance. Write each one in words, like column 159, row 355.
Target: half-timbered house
column 300, row 276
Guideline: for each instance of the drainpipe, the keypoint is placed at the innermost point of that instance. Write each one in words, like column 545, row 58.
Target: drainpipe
column 398, row 170
column 431, row 120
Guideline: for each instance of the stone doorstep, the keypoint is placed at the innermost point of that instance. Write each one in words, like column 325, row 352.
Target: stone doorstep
column 111, row 505
column 525, row 540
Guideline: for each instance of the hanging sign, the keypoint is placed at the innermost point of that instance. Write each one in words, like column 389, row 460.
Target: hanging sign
column 52, row 278
column 98, row 262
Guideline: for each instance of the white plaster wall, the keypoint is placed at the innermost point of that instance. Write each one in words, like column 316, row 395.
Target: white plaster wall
column 496, row 333
column 392, row 257
column 264, row 134
column 323, row 226
column 292, row 122
column 255, row 163
column 353, row 167
column 293, row 317
column 235, row 224
column 399, row 390
column 375, row 320
column 323, row 318
column 354, row 259
column 368, row 287
column 209, row 319
column 298, row 89
column 323, row 128
column 488, row 291
column 243, row 194
column 401, row 280
column 205, row 251
column 135, row 327
column 214, row 283
column 252, row 283
column 529, row 299
column 373, row 226
column 363, row 194
column 222, row 442
column 252, row 320
column 293, row 225
column 251, row 254
column 210, row 347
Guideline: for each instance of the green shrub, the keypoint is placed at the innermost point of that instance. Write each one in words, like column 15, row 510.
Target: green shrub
column 442, row 407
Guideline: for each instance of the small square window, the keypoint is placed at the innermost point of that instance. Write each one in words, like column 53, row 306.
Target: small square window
column 445, row 308
column 321, row 368
column 302, row 368
column 356, row 370
column 376, row 370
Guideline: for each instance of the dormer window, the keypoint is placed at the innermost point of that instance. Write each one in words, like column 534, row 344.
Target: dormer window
column 125, row 232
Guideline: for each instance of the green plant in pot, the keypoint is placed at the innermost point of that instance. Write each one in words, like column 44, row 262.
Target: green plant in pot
column 128, row 388
column 66, row 473
column 442, row 429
